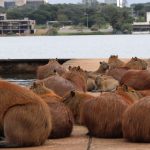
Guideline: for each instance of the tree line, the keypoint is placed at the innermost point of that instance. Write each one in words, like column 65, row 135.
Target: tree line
column 120, row 19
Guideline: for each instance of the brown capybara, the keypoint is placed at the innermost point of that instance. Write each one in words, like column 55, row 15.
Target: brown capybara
column 137, row 64
column 102, row 68
column 115, row 62
column 101, row 115
column 136, row 121
column 91, row 85
column 72, row 80
column 50, row 69
column 106, row 83
column 62, row 118
column 117, row 73
column 137, row 79
column 129, row 94
column 24, row 117
column 74, row 100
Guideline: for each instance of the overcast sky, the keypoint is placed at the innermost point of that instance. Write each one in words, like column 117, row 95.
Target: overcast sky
column 76, row 1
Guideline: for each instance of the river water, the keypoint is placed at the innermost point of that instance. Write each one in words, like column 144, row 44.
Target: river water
column 92, row 46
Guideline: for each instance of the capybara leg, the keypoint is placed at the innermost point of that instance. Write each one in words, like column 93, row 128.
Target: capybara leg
column 26, row 125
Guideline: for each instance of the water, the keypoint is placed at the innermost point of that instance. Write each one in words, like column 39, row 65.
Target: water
column 93, row 46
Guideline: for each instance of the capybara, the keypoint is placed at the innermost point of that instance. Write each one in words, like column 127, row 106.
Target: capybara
column 137, row 79
column 24, row 117
column 101, row 115
column 75, row 100
column 72, row 80
column 49, row 69
column 62, row 118
column 91, row 85
column 114, row 61
column 117, row 73
column 129, row 94
column 136, row 121
column 102, row 68
column 106, row 83
column 137, row 64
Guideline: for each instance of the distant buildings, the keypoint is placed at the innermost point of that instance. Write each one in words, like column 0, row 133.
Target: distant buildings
column 14, row 3
column 89, row 3
column 13, row 26
column 142, row 27
column 119, row 3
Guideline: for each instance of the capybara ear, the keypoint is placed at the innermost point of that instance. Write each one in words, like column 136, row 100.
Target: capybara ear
column 55, row 71
column 69, row 68
column 72, row 93
column 78, row 68
column 125, row 87
column 100, row 62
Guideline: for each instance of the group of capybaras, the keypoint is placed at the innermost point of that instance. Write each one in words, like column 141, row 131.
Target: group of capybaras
column 61, row 97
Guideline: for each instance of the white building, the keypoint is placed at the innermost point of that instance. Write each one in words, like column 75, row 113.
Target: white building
column 1, row 3
column 119, row 3
column 20, row 2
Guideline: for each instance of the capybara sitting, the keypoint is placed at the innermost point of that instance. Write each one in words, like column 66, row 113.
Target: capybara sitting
column 137, row 64
column 129, row 94
column 62, row 118
column 136, row 121
column 24, row 117
column 137, row 79
column 115, row 62
column 50, row 69
column 101, row 115
column 102, row 68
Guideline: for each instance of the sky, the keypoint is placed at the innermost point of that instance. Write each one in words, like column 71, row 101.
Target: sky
column 76, row 1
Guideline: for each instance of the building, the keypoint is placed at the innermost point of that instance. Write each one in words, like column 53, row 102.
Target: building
column 23, row 26
column 119, row 3
column 1, row 3
column 89, row 3
column 20, row 2
column 142, row 27
column 14, row 3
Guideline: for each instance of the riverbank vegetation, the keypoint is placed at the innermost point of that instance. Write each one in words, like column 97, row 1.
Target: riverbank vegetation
column 99, row 17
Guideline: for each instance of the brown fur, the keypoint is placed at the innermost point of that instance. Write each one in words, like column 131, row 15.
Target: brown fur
column 129, row 95
column 50, row 69
column 91, row 85
column 136, row 121
column 24, row 117
column 137, row 79
column 117, row 73
column 137, row 64
column 74, row 100
column 62, row 118
column 61, row 85
column 106, row 83
column 145, row 93
column 114, row 61
column 101, row 115
column 102, row 68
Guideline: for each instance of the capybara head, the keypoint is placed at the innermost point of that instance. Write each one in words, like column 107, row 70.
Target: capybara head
column 74, row 100
column 137, row 63
column 136, row 121
column 103, row 115
column 103, row 67
column 130, row 95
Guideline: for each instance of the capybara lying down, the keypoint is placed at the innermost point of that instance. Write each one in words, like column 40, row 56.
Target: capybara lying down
column 101, row 115
column 137, row 79
column 49, row 69
column 62, row 118
column 24, row 117
column 136, row 121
